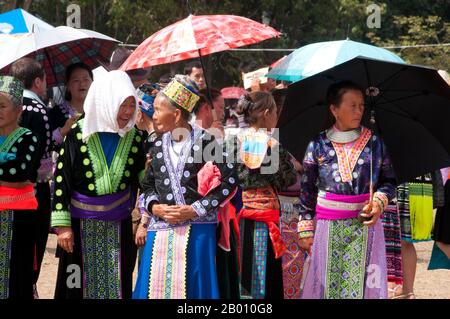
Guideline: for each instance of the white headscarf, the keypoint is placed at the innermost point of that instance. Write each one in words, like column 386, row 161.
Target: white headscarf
column 103, row 101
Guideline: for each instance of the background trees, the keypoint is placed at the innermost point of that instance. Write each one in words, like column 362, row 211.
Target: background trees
column 403, row 22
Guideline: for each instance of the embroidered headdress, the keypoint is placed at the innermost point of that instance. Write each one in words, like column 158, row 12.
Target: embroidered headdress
column 186, row 97
column 13, row 87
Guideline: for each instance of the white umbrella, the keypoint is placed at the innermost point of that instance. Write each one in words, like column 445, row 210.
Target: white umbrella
column 56, row 49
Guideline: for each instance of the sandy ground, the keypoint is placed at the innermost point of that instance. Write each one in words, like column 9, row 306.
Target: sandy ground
column 433, row 284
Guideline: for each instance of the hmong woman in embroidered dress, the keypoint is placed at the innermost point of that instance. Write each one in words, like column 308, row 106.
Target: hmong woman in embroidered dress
column 19, row 161
column 78, row 80
column 187, row 181
column 393, row 240
column 294, row 258
column 348, row 256
column 146, row 94
column 261, row 243
column 96, row 181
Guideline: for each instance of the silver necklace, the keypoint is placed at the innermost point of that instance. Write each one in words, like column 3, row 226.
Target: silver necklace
column 343, row 137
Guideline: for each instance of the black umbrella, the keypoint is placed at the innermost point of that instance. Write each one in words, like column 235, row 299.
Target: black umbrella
column 410, row 104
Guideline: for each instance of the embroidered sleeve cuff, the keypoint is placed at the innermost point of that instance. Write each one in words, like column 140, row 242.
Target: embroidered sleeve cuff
column 145, row 201
column 382, row 197
column 199, row 209
column 57, row 137
column 61, row 219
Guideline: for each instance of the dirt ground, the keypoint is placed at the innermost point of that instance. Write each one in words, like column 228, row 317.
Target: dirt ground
column 434, row 284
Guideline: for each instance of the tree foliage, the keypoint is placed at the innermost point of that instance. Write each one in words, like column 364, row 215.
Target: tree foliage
column 403, row 22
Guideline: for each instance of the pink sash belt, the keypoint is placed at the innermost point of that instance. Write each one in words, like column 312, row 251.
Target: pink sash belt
column 333, row 206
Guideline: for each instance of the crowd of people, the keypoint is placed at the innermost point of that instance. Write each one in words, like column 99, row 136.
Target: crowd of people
column 195, row 190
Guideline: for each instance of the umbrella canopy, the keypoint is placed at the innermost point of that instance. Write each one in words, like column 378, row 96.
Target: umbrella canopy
column 232, row 92
column 20, row 21
column 197, row 36
column 317, row 57
column 56, row 49
column 277, row 62
column 411, row 105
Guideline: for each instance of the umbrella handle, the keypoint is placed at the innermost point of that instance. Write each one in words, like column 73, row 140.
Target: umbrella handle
column 209, row 100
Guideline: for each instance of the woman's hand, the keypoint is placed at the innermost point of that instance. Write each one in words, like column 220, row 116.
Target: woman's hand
column 159, row 210
column 306, row 244
column 373, row 211
column 68, row 126
column 178, row 213
column 141, row 235
column 65, row 239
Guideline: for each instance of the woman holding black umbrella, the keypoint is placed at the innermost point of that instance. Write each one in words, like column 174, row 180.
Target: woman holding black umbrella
column 348, row 257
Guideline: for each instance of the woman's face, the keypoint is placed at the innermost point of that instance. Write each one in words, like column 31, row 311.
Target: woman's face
column 9, row 114
column 165, row 116
column 79, row 83
column 349, row 113
column 126, row 111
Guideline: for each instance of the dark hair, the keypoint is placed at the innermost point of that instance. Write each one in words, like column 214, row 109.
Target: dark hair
column 27, row 70
column 334, row 97
column 164, row 79
column 70, row 69
column 252, row 104
column 337, row 90
column 204, row 97
column 194, row 64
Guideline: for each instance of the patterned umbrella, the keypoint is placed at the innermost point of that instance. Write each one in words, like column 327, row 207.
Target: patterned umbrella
column 197, row 36
column 56, row 49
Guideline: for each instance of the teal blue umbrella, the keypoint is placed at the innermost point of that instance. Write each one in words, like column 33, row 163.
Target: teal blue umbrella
column 317, row 57
column 20, row 21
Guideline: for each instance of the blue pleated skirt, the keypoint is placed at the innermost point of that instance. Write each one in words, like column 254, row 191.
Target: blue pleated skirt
column 201, row 281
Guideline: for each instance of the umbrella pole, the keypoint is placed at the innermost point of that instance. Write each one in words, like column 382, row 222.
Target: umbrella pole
column 371, row 192
column 210, row 100
column 53, row 71
column 372, row 125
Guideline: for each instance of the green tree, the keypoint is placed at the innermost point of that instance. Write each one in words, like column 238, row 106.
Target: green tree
column 403, row 22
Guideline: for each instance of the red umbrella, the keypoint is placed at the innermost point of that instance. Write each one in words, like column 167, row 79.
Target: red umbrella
column 232, row 92
column 197, row 36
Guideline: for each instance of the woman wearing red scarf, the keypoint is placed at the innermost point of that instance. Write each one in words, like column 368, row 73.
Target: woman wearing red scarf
column 264, row 168
column 18, row 170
